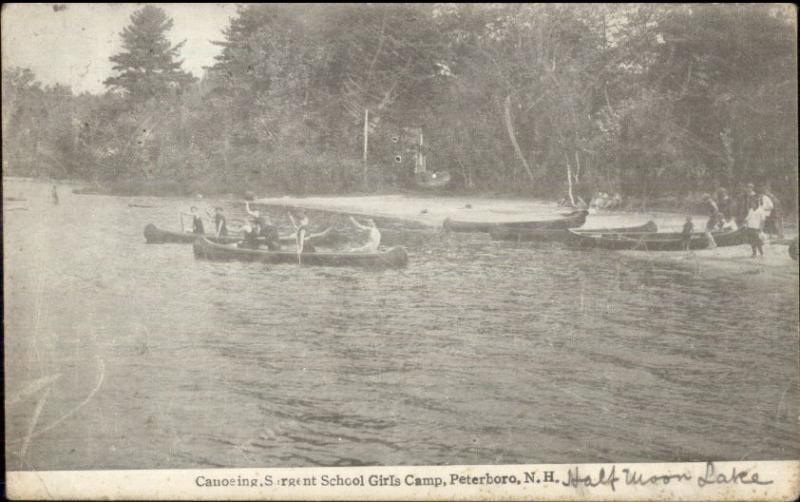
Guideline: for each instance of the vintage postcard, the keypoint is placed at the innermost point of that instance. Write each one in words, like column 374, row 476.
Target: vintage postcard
column 400, row 251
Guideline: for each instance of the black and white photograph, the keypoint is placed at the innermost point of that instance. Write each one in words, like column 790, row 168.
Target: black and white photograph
column 377, row 235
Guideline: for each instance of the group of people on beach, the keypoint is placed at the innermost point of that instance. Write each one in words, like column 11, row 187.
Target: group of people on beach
column 258, row 230
column 601, row 200
column 755, row 209
column 606, row 201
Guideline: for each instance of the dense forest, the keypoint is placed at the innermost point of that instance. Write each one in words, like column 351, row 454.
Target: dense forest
column 643, row 100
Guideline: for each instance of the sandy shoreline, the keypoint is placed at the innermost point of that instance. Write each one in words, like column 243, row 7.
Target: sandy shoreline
column 432, row 211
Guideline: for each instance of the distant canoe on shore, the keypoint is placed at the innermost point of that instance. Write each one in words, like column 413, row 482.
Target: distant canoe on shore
column 533, row 235
column 649, row 241
column 570, row 220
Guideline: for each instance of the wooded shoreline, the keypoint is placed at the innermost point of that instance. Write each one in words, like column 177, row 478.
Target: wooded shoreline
column 543, row 101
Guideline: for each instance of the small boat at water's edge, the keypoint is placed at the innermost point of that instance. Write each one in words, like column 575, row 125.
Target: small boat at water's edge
column 570, row 220
column 393, row 258
column 649, row 241
column 528, row 235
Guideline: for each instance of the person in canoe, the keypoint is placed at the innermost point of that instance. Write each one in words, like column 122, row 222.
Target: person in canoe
column 254, row 213
column 220, row 224
column 250, row 234
column 373, row 238
column 197, row 220
column 269, row 233
column 266, row 229
column 301, row 233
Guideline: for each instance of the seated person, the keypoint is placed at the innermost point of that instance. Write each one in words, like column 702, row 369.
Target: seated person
column 302, row 233
column 373, row 239
column 250, row 233
column 269, row 233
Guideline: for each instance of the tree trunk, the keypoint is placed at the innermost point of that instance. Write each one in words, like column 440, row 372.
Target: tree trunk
column 513, row 136
column 569, row 181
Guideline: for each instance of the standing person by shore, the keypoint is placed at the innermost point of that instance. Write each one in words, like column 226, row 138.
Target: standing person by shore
column 686, row 234
column 715, row 217
column 727, row 208
column 773, row 221
column 754, row 222
column 54, row 195
column 748, row 199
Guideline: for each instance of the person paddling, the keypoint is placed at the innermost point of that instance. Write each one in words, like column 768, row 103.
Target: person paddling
column 197, row 220
column 301, row 232
column 373, row 239
column 220, row 224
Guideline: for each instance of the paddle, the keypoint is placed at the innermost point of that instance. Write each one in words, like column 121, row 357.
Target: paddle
column 301, row 234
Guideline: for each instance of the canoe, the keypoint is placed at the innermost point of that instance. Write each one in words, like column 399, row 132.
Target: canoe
column 569, row 220
column 528, row 235
column 207, row 250
column 155, row 235
column 649, row 241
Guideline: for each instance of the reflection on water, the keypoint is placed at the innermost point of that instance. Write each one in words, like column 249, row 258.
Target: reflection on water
column 126, row 355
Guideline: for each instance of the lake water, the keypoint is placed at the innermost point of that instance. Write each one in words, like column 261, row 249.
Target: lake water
column 123, row 355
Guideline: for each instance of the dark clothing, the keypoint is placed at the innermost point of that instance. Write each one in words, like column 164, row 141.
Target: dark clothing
column 754, row 239
column 197, row 225
column 271, row 237
column 715, row 218
column 714, row 221
column 686, row 234
column 727, row 207
column 221, row 225
column 250, row 240
column 747, row 202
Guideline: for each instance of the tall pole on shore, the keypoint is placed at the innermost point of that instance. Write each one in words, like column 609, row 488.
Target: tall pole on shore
column 366, row 140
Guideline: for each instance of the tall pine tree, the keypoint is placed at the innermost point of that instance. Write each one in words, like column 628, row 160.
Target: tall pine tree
column 148, row 66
